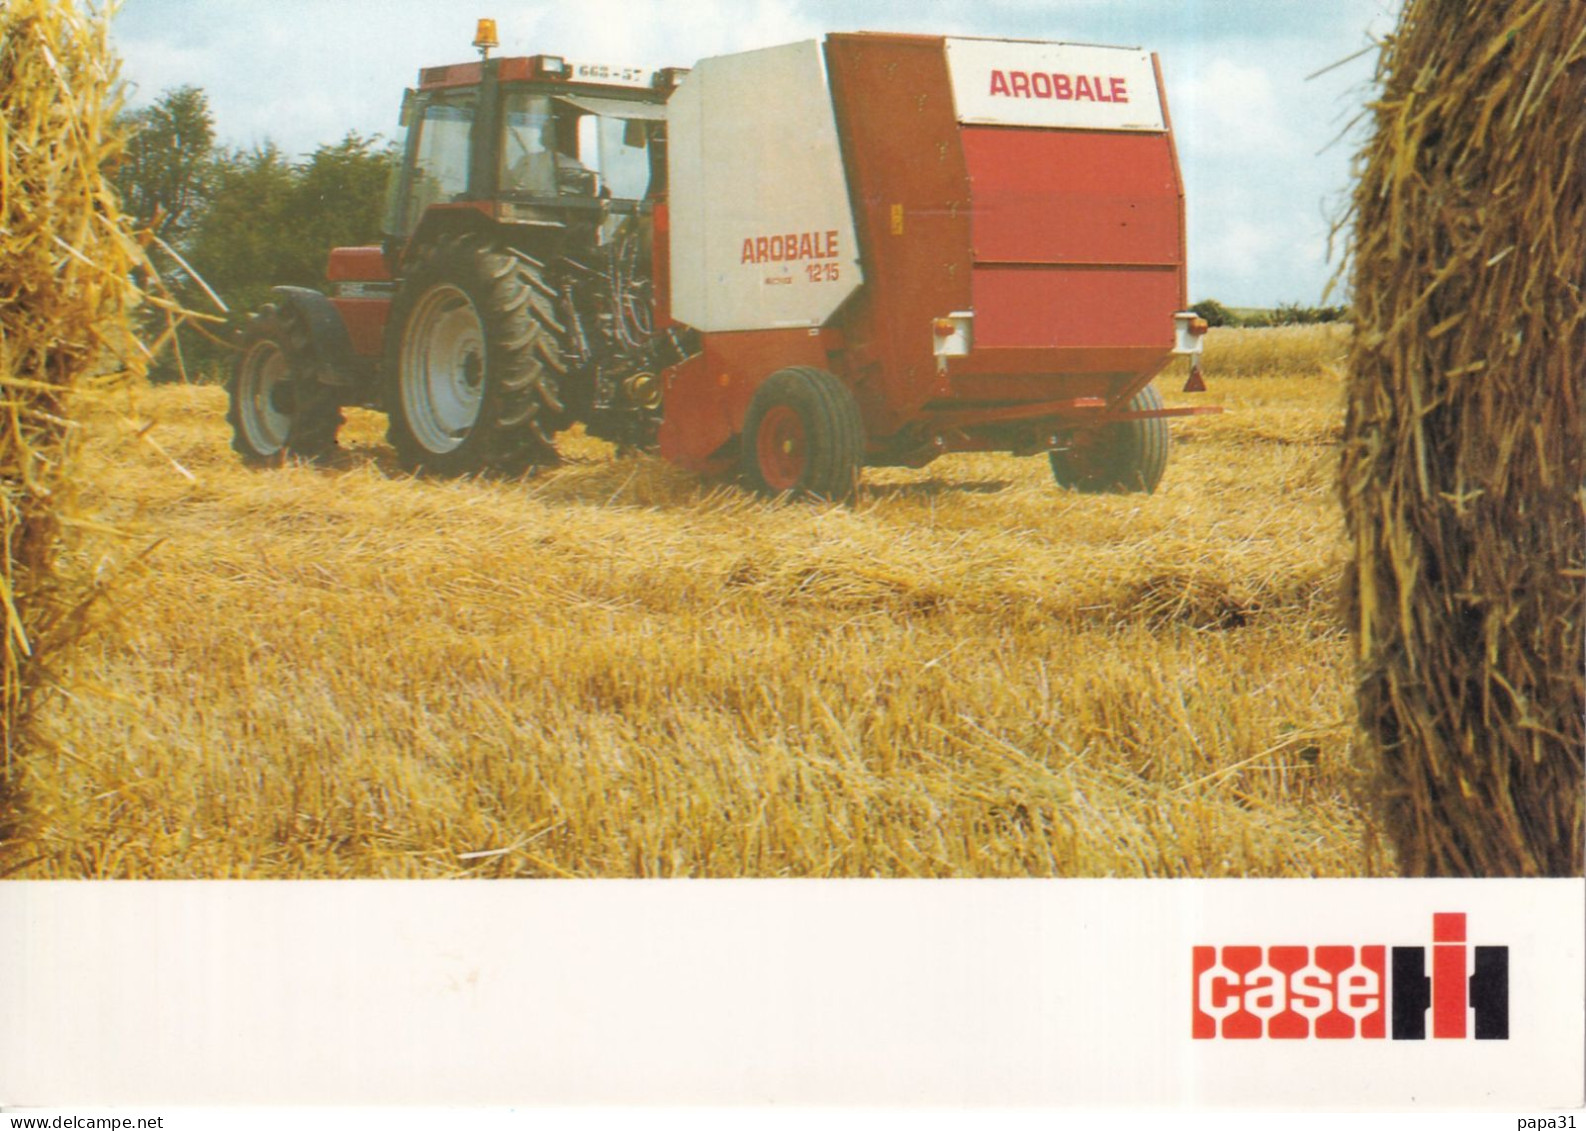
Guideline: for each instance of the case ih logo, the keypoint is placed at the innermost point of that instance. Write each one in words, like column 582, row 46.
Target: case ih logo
column 1342, row 992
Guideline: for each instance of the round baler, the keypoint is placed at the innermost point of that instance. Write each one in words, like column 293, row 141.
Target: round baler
column 793, row 262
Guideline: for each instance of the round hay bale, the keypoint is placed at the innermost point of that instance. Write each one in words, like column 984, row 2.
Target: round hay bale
column 65, row 260
column 1462, row 467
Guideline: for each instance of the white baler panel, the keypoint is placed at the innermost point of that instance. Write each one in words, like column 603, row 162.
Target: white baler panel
column 1056, row 85
column 762, row 229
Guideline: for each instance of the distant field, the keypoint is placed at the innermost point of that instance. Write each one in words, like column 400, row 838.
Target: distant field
column 617, row 670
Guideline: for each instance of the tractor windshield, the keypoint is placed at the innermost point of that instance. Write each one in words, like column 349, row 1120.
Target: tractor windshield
column 563, row 146
column 528, row 163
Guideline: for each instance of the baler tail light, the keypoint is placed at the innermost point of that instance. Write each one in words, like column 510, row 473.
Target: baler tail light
column 952, row 336
column 1188, row 330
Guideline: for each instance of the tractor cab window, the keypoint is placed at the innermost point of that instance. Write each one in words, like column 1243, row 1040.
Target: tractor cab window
column 440, row 162
column 624, row 156
column 529, row 130
column 554, row 146
column 540, row 150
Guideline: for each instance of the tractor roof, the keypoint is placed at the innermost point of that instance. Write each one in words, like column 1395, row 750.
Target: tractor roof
column 554, row 69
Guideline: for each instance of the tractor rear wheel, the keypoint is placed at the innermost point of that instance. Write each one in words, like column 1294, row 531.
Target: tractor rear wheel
column 278, row 408
column 472, row 360
column 1119, row 458
column 803, row 436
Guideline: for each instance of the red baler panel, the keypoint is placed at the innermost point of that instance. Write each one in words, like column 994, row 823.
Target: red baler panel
column 1058, row 307
column 1072, row 196
column 910, row 190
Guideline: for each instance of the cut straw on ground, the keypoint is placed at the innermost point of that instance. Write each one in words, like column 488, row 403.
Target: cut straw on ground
column 618, row 669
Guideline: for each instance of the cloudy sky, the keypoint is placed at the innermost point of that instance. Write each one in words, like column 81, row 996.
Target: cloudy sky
column 1264, row 172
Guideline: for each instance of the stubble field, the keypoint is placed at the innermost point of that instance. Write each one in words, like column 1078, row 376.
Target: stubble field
column 616, row 669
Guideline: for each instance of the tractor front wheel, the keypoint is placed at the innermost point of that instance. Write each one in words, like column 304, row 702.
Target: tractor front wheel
column 277, row 406
column 1119, row 458
column 472, row 361
column 803, row 436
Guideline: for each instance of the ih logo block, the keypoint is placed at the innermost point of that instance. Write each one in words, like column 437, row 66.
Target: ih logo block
column 1353, row 992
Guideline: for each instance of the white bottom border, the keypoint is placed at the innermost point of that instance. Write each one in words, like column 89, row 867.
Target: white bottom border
column 996, row 993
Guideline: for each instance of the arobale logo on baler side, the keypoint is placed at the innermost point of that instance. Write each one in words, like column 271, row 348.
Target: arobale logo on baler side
column 1344, row 992
column 792, row 246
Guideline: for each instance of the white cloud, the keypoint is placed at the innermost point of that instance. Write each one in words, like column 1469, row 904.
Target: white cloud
column 1231, row 107
column 657, row 34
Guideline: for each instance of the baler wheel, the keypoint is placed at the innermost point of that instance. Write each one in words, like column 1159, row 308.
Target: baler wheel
column 278, row 408
column 1119, row 458
column 472, row 359
column 803, row 436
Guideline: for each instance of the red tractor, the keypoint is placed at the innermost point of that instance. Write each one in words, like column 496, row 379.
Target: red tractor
column 797, row 262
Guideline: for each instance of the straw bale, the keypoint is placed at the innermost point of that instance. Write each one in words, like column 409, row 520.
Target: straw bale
column 65, row 259
column 1463, row 452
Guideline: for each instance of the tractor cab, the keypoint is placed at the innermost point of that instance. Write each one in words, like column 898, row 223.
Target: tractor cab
column 537, row 141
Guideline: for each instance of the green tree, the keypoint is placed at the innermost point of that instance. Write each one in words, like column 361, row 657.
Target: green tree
column 162, row 175
column 341, row 194
column 239, row 241
column 271, row 222
column 1215, row 313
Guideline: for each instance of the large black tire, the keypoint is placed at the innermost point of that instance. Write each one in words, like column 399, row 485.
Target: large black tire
column 473, row 360
column 278, row 408
column 1119, row 458
column 803, row 436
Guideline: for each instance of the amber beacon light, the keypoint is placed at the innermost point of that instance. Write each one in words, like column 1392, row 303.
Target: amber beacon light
column 485, row 38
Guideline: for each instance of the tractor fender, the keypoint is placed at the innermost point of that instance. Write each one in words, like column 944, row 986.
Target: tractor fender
column 336, row 362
